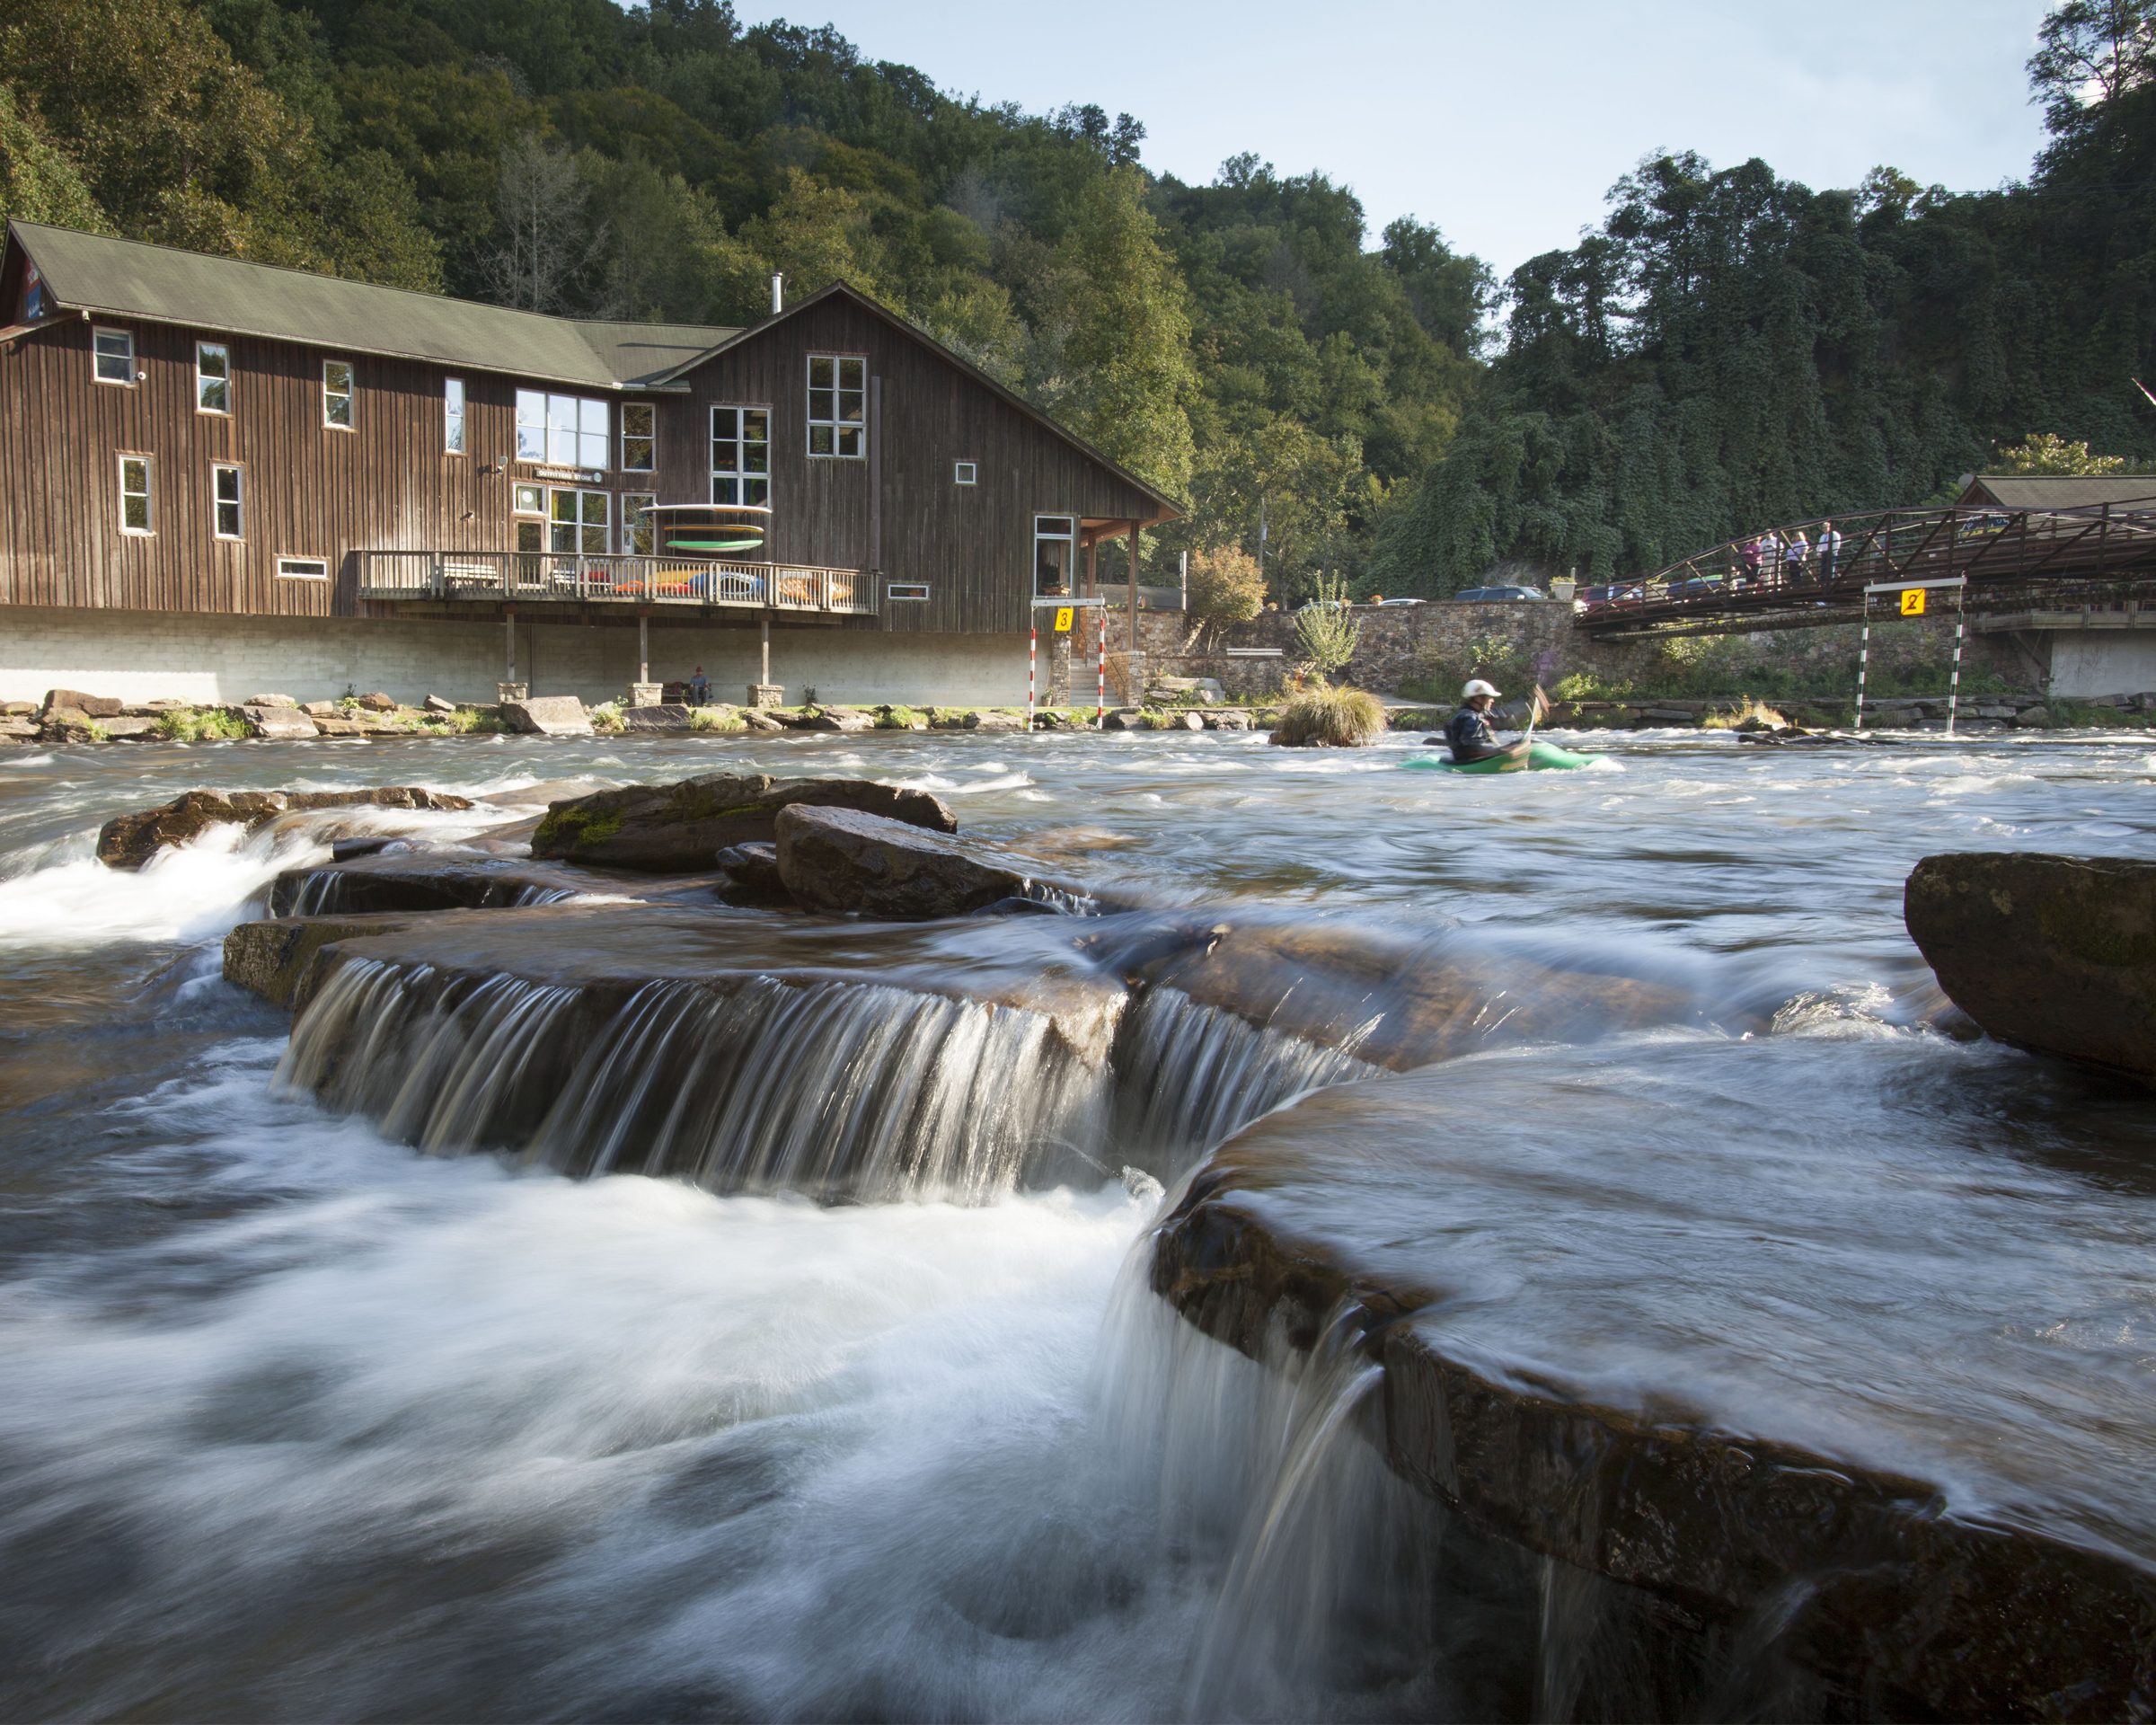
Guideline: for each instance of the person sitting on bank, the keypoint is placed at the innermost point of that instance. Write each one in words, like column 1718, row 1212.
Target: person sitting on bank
column 1468, row 732
column 700, row 689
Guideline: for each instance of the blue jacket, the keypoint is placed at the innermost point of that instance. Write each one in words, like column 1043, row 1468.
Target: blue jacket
column 1468, row 735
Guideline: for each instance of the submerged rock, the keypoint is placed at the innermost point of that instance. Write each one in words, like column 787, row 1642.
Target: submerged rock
column 276, row 960
column 128, row 841
column 844, row 858
column 2056, row 953
column 1626, row 1319
column 752, row 875
column 678, row 828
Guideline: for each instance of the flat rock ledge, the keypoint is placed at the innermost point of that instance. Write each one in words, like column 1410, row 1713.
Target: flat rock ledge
column 2054, row 954
column 130, row 841
column 846, row 860
column 680, row 828
column 1903, row 1611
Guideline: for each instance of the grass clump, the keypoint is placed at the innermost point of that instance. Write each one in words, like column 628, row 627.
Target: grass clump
column 476, row 721
column 606, row 718
column 716, row 718
column 1325, row 717
column 899, row 719
column 200, row 725
column 1750, row 714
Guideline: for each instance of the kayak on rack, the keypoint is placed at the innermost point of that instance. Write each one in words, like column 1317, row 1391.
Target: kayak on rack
column 1521, row 757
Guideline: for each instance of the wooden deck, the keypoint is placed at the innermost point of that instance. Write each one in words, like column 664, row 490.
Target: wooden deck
column 550, row 577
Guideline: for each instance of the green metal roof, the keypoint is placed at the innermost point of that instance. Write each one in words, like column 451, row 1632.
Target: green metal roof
column 87, row 272
column 2059, row 491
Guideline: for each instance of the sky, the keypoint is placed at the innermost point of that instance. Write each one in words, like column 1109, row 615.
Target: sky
column 1505, row 122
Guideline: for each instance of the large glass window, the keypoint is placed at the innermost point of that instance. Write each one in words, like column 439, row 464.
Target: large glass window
column 562, row 431
column 213, row 377
column 113, row 355
column 1055, row 554
column 337, row 393
column 639, row 437
column 452, row 415
column 137, row 511
column 224, row 502
column 741, row 454
column 636, row 522
column 838, row 405
column 577, row 521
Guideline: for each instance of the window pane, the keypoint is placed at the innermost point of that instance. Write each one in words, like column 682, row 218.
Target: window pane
column 594, row 508
column 756, row 491
column 849, row 440
column 819, row 439
column 529, row 499
column 591, row 416
column 531, row 427
column 564, row 506
column 228, row 484
column 853, row 373
column 338, row 376
column 135, row 512
column 591, row 450
column 725, row 489
column 562, row 445
column 114, row 356
column 636, row 419
column 213, row 396
column 340, row 410
column 819, row 373
column 210, row 359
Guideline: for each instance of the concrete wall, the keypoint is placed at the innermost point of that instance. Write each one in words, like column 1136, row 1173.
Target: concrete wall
column 146, row 656
column 2098, row 661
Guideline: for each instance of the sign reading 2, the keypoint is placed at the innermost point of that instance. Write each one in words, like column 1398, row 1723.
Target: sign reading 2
column 1913, row 601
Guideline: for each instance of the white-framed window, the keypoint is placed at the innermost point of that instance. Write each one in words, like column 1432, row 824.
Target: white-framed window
column 577, row 521
column 452, row 416
column 561, row 430
column 741, row 454
column 337, row 394
column 639, row 437
column 1055, row 554
column 838, row 405
column 897, row 592
column 528, row 499
column 112, row 355
column 137, row 507
column 636, row 522
column 965, row 472
column 213, row 377
column 227, row 519
column 302, row 569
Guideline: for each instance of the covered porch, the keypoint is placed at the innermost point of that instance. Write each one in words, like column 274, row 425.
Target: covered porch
column 538, row 577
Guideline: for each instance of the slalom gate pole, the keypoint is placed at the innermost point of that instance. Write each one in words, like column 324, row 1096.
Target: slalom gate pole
column 1032, row 656
column 1863, row 660
column 1100, row 689
column 1961, row 623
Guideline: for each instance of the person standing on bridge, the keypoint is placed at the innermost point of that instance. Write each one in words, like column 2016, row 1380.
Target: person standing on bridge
column 1747, row 554
column 1830, row 551
column 1794, row 555
column 1770, row 556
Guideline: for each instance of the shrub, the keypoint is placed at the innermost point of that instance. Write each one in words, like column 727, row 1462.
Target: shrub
column 200, row 725
column 1226, row 585
column 1751, row 715
column 1325, row 717
column 476, row 721
column 606, row 717
column 896, row 719
column 716, row 718
column 1327, row 630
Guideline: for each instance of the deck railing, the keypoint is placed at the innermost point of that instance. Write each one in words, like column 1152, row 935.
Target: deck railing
column 546, row 577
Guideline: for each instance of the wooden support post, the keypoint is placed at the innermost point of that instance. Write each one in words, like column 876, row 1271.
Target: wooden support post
column 1133, row 586
column 1092, row 568
column 765, row 677
column 508, row 615
column 643, row 648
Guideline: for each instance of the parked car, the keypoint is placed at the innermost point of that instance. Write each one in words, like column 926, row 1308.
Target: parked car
column 1594, row 598
column 1383, row 603
column 1486, row 593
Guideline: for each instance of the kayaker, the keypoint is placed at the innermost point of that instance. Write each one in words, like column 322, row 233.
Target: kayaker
column 1468, row 732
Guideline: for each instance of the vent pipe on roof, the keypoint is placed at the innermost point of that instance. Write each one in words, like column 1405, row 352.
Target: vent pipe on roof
column 778, row 293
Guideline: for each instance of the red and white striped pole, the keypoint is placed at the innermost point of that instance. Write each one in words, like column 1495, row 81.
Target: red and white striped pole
column 1032, row 656
column 1101, row 693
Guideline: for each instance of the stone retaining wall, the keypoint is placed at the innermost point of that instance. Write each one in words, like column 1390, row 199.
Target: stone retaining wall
column 1445, row 642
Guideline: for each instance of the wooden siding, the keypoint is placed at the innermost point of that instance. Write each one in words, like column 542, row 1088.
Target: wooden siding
column 973, row 545
column 387, row 485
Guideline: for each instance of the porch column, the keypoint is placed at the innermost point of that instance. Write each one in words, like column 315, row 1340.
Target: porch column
column 643, row 647
column 765, row 677
column 1092, row 568
column 508, row 619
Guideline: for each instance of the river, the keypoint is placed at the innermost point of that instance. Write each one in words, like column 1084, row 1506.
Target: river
column 298, row 1423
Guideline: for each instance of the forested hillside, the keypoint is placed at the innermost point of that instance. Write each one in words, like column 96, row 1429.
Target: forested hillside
column 1726, row 349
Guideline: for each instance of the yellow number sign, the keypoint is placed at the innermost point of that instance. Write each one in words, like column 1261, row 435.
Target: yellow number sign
column 1913, row 601
column 1064, row 613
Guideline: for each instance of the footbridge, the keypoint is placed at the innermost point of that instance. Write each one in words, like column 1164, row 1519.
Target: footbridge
column 2026, row 569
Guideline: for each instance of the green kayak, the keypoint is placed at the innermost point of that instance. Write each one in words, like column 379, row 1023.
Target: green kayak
column 1535, row 758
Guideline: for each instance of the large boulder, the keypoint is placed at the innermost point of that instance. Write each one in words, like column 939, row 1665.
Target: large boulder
column 842, row 858
column 128, row 841
column 667, row 716
column 72, row 701
column 678, row 828
column 547, row 715
column 2056, row 953
column 278, row 724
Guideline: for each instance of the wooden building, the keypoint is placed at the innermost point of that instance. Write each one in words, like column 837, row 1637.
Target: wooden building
column 227, row 473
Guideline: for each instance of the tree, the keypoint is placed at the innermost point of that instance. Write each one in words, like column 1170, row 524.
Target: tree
column 545, row 241
column 2041, row 452
column 1113, row 335
column 1327, row 630
column 38, row 181
column 2089, row 52
column 1225, row 585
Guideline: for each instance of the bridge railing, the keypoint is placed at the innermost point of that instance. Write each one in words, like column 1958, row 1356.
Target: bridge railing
column 1980, row 542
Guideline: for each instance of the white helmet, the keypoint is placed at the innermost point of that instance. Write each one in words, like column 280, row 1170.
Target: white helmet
column 1475, row 685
